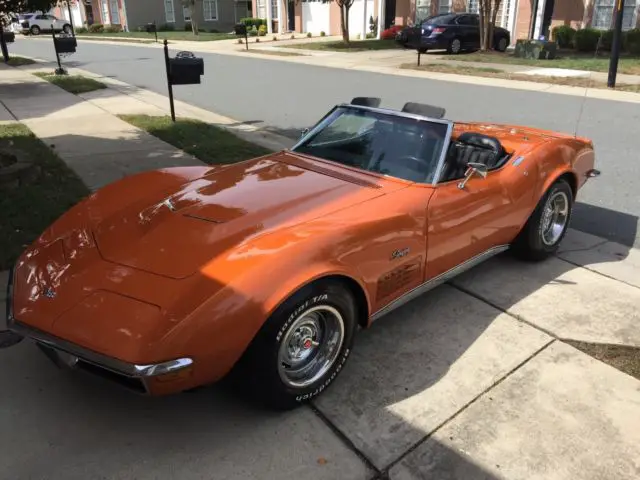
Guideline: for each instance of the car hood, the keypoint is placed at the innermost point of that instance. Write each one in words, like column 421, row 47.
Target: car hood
column 175, row 232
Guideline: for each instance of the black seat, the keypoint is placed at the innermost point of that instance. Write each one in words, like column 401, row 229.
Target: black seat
column 471, row 147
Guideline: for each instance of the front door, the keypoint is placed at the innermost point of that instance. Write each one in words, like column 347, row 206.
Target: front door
column 466, row 222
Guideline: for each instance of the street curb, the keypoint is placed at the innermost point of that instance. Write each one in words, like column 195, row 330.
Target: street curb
column 257, row 135
column 307, row 59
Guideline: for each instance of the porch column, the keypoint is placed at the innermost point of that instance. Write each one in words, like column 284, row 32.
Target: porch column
column 381, row 19
column 269, row 17
column 281, row 7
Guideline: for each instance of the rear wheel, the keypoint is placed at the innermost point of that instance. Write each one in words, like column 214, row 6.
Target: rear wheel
column 547, row 226
column 66, row 28
column 301, row 348
column 34, row 30
column 455, row 46
column 502, row 44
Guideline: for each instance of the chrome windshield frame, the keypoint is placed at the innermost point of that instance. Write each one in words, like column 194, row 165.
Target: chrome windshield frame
column 322, row 123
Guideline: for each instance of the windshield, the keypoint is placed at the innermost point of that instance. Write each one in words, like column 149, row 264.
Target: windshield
column 388, row 144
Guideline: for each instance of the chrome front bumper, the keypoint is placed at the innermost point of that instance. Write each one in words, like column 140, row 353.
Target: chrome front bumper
column 70, row 355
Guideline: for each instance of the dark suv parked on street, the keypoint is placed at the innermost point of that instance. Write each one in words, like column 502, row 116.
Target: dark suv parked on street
column 454, row 32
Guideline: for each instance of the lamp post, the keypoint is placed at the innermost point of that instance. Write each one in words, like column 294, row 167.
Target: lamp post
column 73, row 32
column 618, row 12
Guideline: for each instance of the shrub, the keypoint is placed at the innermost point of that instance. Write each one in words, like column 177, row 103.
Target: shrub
column 96, row 28
column 166, row 27
column 112, row 29
column 292, row 36
column 564, row 35
column 252, row 32
column 390, row 33
column 322, row 34
column 586, row 39
column 308, row 34
column 213, row 30
column 253, row 22
column 606, row 40
column 275, row 38
column 188, row 27
column 262, row 30
column 632, row 41
column 82, row 30
column 371, row 35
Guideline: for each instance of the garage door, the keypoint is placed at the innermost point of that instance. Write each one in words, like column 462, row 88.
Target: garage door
column 315, row 17
column 356, row 17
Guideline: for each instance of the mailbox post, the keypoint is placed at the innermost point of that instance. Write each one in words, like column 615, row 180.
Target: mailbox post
column 241, row 30
column 152, row 28
column 6, row 37
column 184, row 69
column 63, row 45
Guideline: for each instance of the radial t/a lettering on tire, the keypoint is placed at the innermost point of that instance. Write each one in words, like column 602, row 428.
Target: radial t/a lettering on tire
column 302, row 347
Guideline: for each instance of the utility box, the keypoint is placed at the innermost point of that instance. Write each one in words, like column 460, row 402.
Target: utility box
column 9, row 37
column 240, row 29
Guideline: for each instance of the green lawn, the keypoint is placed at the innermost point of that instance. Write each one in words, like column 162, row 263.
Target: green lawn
column 566, row 59
column 17, row 61
column 177, row 35
column 497, row 73
column 206, row 142
column 27, row 210
column 73, row 83
column 352, row 46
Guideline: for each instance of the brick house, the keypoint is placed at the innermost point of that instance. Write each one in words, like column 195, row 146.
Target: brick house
column 515, row 15
column 219, row 15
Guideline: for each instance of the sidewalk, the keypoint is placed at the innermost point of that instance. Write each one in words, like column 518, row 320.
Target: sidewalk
column 480, row 378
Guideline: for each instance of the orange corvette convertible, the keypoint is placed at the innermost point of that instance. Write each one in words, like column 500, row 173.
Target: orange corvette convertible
column 262, row 271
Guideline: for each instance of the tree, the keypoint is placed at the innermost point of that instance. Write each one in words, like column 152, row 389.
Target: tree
column 344, row 5
column 488, row 15
column 17, row 6
column 191, row 4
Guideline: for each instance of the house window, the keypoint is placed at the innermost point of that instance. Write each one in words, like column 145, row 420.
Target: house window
column 210, row 9
column 169, row 12
column 262, row 8
column 186, row 13
column 603, row 14
column 473, row 6
column 274, row 9
column 115, row 14
column 444, row 6
column 104, row 4
column 423, row 10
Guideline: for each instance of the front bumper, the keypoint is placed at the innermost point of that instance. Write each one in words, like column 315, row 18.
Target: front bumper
column 136, row 377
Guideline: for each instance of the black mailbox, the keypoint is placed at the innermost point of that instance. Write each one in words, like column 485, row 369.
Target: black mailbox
column 65, row 44
column 240, row 29
column 186, row 69
column 9, row 37
column 150, row 27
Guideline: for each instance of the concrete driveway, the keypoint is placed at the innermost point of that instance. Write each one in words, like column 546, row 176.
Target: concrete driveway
column 473, row 380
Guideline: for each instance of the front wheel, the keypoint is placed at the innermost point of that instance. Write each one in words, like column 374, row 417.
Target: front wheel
column 67, row 29
column 502, row 44
column 301, row 348
column 547, row 226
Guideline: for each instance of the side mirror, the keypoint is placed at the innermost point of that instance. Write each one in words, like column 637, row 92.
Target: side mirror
column 473, row 168
column 304, row 132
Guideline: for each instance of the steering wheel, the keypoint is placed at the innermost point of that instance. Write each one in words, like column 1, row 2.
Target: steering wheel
column 413, row 158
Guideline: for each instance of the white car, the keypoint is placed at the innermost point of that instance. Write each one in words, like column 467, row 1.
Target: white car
column 35, row 23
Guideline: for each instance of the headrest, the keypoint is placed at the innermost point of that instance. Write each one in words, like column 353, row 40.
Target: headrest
column 373, row 102
column 481, row 141
column 424, row 109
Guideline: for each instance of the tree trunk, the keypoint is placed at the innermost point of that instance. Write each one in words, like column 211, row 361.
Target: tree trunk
column 344, row 23
column 194, row 25
column 494, row 18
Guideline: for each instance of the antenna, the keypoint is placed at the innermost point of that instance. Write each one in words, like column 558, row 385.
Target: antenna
column 586, row 89
column 584, row 100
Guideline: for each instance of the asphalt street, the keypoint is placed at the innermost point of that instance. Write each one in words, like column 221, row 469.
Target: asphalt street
column 287, row 97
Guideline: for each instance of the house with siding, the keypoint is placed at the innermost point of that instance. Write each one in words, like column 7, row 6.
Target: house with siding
column 220, row 15
column 515, row 15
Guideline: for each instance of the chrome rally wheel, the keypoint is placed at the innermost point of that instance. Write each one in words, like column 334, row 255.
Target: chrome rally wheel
column 301, row 348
